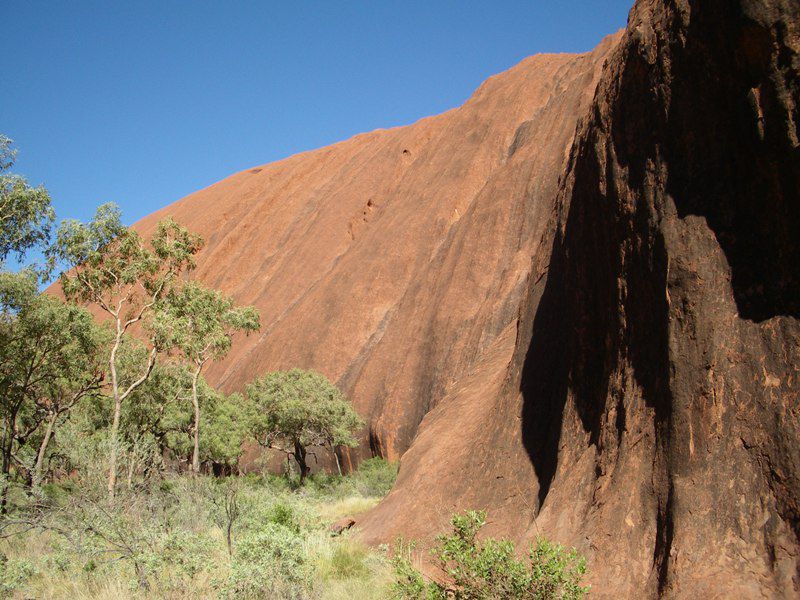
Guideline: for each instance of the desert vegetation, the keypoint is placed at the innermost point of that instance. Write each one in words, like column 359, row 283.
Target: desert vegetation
column 195, row 537
column 473, row 569
column 121, row 473
column 120, row 462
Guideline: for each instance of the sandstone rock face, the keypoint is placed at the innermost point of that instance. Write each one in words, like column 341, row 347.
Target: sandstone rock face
column 655, row 364
column 573, row 301
column 391, row 262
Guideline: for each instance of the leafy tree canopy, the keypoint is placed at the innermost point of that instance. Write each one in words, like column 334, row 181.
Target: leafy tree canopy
column 50, row 358
column 45, row 343
column 303, row 406
column 297, row 409
column 200, row 322
column 26, row 216
column 112, row 266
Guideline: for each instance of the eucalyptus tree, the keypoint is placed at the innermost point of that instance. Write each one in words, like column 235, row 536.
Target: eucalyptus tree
column 78, row 369
column 297, row 409
column 127, row 278
column 50, row 358
column 159, row 409
column 26, row 215
column 200, row 323
column 226, row 426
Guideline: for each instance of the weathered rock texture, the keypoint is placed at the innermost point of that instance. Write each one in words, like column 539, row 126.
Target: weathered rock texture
column 655, row 368
column 573, row 301
column 391, row 262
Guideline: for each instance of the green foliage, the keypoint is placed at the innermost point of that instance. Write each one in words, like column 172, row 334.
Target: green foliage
column 297, row 409
column 50, row 359
column 14, row 574
column 200, row 322
column 284, row 515
column 46, row 345
column 168, row 539
column 17, row 290
column 26, row 215
column 269, row 563
column 162, row 406
column 225, row 426
column 8, row 153
column 490, row 569
column 110, row 262
column 304, row 406
column 187, row 552
column 557, row 571
column 409, row 584
column 113, row 268
column 374, row 477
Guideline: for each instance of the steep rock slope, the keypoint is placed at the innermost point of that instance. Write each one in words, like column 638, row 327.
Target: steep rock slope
column 645, row 407
column 573, row 301
column 391, row 262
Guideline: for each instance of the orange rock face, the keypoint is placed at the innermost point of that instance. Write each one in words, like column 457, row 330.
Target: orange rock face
column 572, row 302
column 394, row 261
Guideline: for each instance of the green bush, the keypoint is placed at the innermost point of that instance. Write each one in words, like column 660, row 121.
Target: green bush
column 187, row 552
column 269, row 563
column 375, row 477
column 283, row 514
column 14, row 574
column 409, row 582
column 166, row 538
column 490, row 569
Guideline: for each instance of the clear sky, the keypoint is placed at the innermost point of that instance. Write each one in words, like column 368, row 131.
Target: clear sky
column 141, row 103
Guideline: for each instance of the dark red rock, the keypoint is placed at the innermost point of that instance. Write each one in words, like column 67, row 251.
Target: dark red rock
column 658, row 351
column 342, row 525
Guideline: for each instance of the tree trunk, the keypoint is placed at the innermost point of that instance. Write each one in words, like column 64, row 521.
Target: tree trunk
column 114, row 442
column 300, row 457
column 132, row 464
column 336, row 456
column 37, row 469
column 118, row 398
column 8, row 443
column 196, row 404
column 114, row 432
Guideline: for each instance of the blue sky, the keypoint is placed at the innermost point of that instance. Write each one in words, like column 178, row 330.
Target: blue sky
column 141, row 103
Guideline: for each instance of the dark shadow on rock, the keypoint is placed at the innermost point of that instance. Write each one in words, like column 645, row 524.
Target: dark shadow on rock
column 733, row 156
column 603, row 313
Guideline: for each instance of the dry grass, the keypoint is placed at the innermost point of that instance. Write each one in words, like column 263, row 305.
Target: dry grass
column 341, row 567
column 347, row 507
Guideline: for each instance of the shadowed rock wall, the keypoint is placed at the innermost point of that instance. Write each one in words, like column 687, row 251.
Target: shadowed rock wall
column 655, row 369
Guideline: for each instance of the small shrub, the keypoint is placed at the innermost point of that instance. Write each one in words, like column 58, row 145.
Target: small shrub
column 487, row 570
column 186, row 552
column 348, row 561
column 14, row 574
column 409, row 583
column 283, row 514
column 268, row 563
column 59, row 559
column 375, row 477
